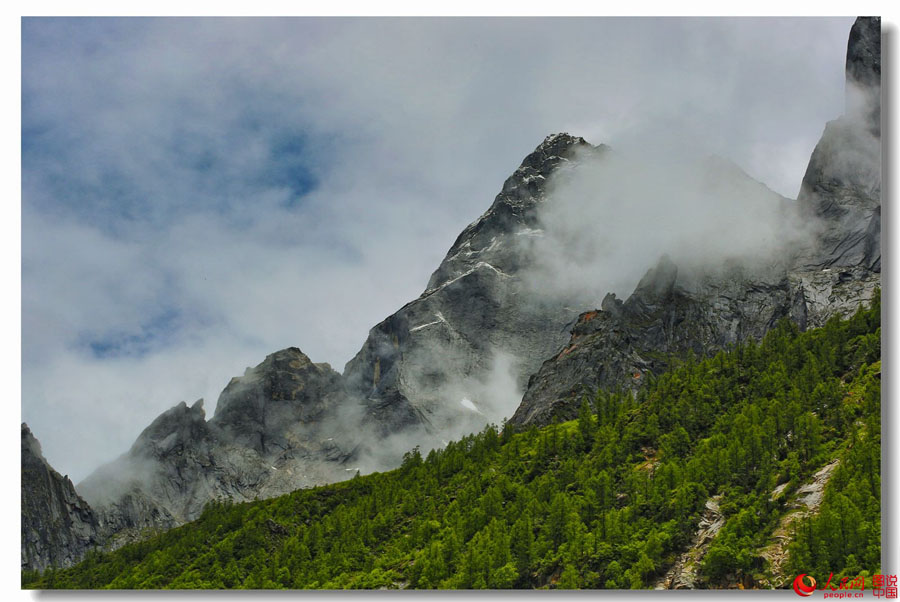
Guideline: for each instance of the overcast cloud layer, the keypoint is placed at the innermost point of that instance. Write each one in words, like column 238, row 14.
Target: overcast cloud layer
column 200, row 193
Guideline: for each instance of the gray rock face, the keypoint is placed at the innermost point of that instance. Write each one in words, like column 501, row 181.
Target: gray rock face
column 267, row 408
column 439, row 362
column 683, row 574
column 276, row 429
column 842, row 184
column 58, row 526
column 671, row 312
column 668, row 314
column 841, row 190
column 804, row 502
column 864, row 71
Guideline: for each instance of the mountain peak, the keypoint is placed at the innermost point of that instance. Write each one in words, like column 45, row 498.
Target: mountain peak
column 30, row 443
column 285, row 388
column 561, row 139
column 553, row 148
column 177, row 426
column 864, row 52
column 842, row 184
column 863, row 69
column 659, row 282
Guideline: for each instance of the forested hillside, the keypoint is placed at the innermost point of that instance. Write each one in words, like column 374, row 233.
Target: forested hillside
column 610, row 500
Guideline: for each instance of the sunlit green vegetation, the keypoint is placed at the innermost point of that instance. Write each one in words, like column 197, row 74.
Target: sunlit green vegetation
column 609, row 500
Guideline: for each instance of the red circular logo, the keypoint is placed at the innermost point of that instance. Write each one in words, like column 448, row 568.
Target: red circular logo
column 801, row 587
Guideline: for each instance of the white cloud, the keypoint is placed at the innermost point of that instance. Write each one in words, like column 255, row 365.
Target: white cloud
column 159, row 166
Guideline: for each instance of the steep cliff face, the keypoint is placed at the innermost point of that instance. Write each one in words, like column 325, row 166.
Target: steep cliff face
column 672, row 311
column 277, row 428
column 459, row 355
column 58, row 526
column 864, row 72
column 842, row 184
column 620, row 344
column 841, row 191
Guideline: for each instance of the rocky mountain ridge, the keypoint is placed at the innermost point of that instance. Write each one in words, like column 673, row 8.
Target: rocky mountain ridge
column 275, row 429
column 673, row 312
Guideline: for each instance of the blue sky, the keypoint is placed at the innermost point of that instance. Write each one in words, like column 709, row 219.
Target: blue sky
column 197, row 193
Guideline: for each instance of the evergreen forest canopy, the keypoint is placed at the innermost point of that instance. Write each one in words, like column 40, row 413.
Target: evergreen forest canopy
column 610, row 500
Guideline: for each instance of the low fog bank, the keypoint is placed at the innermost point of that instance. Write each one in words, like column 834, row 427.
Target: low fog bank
column 850, row 148
column 609, row 218
column 460, row 407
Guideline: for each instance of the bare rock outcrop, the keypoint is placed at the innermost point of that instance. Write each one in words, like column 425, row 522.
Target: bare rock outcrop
column 279, row 427
column 805, row 502
column 58, row 526
column 683, row 574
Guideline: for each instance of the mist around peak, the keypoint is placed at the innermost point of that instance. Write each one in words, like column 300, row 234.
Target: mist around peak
column 609, row 218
